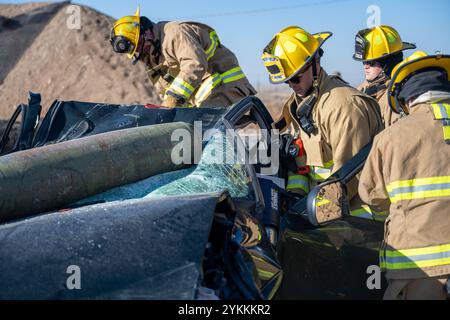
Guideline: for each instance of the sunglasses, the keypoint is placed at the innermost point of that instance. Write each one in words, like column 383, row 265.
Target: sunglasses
column 296, row 79
column 370, row 63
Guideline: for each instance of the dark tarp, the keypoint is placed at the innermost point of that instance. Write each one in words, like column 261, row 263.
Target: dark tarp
column 137, row 249
column 68, row 120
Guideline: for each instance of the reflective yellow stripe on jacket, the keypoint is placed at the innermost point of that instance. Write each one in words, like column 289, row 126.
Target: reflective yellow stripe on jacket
column 442, row 112
column 214, row 44
column 416, row 258
column 181, row 88
column 419, row 188
column 298, row 182
column 232, row 75
column 216, row 79
column 207, row 87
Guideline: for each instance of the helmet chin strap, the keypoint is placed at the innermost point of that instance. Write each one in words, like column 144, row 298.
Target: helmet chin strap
column 376, row 85
column 380, row 76
column 305, row 108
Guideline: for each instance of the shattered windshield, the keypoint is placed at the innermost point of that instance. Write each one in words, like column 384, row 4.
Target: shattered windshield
column 221, row 168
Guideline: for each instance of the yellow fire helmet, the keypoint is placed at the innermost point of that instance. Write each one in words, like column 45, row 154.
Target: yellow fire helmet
column 378, row 42
column 419, row 60
column 290, row 51
column 125, row 34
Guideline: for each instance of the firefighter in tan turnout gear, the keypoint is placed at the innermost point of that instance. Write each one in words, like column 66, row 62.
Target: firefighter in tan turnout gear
column 185, row 59
column 408, row 173
column 380, row 49
column 332, row 120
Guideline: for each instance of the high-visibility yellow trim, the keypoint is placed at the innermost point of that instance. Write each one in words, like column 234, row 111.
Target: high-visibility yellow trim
column 446, row 130
column 421, row 195
column 379, row 216
column 416, row 258
column 322, row 202
column 419, row 188
column 207, row 86
column 214, row 44
column 366, row 212
column 441, row 110
column 298, row 182
column 181, row 87
column 419, row 264
column 232, row 75
column 321, row 173
column 418, row 182
column 419, row 251
column 265, row 275
column 362, row 213
column 215, row 80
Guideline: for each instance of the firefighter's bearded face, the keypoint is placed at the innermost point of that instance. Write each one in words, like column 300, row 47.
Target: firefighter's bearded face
column 303, row 82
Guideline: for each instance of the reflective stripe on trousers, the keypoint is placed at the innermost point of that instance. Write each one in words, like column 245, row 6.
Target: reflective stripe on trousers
column 216, row 79
column 298, row 182
column 321, row 174
column 365, row 212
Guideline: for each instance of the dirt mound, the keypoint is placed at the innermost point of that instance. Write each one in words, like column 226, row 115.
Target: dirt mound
column 61, row 63
column 274, row 99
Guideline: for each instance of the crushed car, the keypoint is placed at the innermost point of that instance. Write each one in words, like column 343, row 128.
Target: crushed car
column 92, row 208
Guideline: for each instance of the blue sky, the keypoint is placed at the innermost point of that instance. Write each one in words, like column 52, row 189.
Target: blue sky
column 247, row 26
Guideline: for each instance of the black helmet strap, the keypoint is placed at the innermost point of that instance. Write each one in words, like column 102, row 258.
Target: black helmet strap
column 304, row 110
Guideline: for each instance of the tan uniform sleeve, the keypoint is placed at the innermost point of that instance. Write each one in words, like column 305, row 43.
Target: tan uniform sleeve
column 183, row 50
column 350, row 131
column 372, row 186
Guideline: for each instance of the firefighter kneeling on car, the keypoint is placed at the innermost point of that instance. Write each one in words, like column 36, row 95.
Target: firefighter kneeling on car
column 408, row 173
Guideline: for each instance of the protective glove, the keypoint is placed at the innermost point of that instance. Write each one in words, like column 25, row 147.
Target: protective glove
column 170, row 102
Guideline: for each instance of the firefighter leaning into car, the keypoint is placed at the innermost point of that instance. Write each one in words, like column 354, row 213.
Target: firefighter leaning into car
column 186, row 60
column 380, row 50
column 330, row 120
column 408, row 173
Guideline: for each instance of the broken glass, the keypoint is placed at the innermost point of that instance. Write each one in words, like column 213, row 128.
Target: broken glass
column 220, row 169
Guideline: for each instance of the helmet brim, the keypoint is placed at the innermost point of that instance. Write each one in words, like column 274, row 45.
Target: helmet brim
column 406, row 46
column 410, row 68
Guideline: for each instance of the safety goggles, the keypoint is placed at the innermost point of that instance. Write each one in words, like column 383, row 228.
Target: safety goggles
column 120, row 44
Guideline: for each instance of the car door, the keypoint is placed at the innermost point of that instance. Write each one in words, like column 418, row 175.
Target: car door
column 337, row 260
